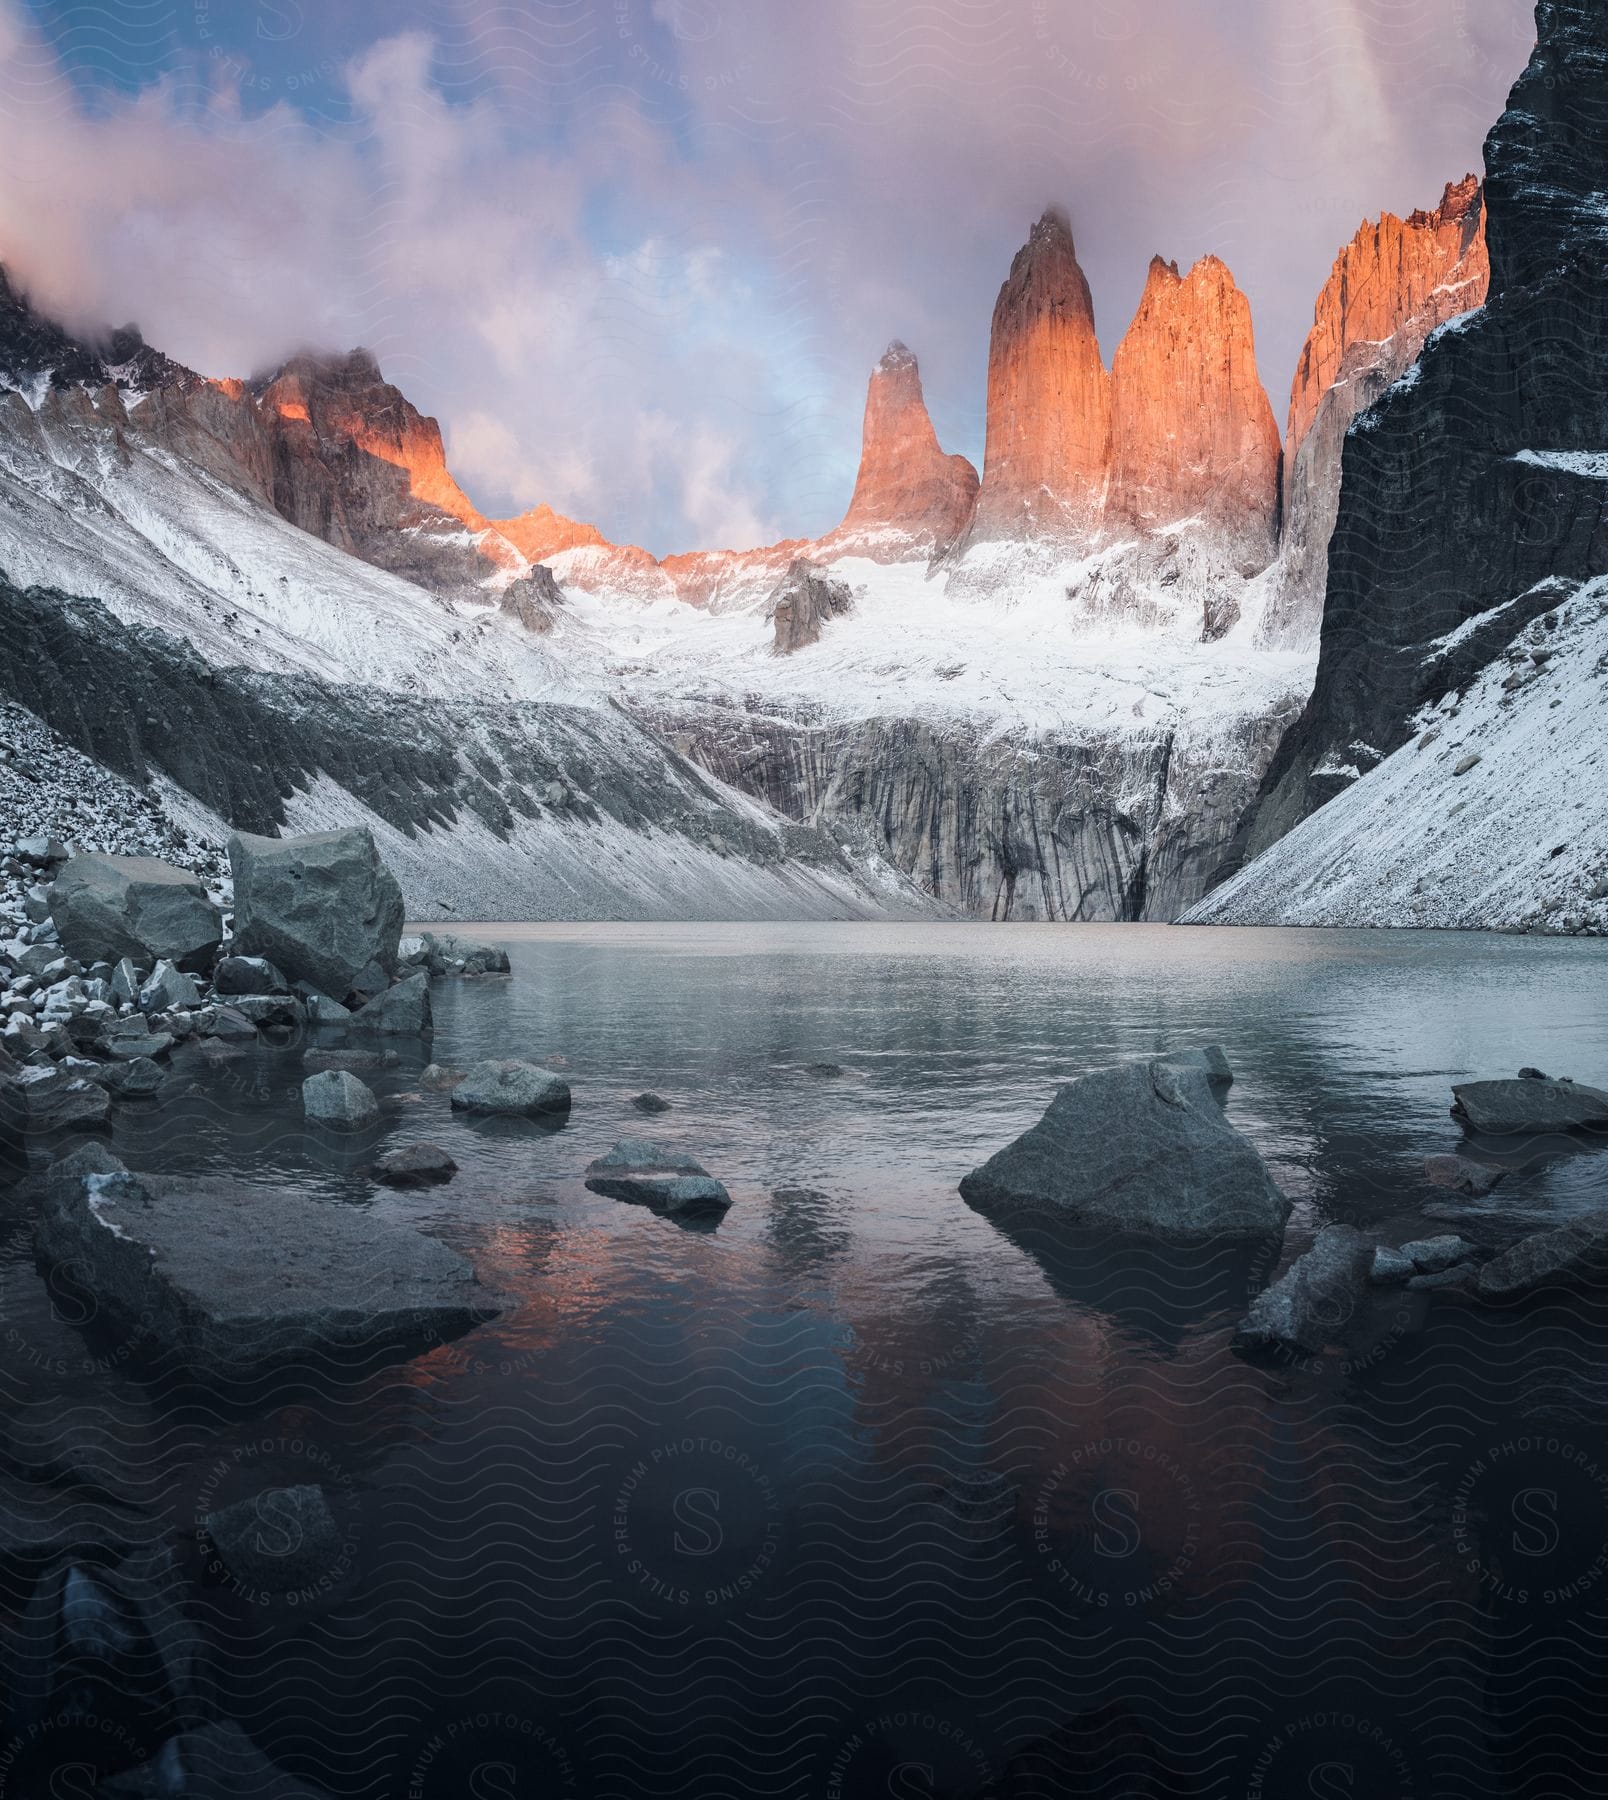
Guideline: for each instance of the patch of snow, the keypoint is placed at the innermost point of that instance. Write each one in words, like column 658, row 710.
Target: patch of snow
column 1591, row 463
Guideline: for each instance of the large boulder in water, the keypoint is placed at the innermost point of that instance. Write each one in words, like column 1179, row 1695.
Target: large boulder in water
column 511, row 1089
column 649, row 1174
column 1141, row 1149
column 233, row 1280
column 1532, row 1103
column 1573, row 1256
column 321, row 908
column 106, row 908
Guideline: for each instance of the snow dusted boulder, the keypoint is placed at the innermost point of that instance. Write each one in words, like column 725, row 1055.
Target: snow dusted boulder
column 1142, row 1148
column 1533, row 1103
column 106, row 908
column 322, row 907
column 235, row 1280
column 803, row 603
column 513, row 1089
column 651, row 1175
column 337, row 1097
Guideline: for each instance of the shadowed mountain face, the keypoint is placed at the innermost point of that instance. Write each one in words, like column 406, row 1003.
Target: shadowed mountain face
column 1473, row 498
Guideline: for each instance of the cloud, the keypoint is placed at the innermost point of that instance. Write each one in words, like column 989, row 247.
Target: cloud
column 640, row 257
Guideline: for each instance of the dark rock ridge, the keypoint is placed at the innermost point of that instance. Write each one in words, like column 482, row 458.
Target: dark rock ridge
column 1463, row 507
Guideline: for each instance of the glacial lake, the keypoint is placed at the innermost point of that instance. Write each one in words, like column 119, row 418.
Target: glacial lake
column 855, row 1495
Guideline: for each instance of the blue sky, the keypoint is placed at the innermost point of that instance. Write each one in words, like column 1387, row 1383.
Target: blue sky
column 638, row 255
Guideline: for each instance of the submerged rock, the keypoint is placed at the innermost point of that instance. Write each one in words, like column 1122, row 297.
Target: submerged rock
column 440, row 1077
column 1574, row 1256
column 416, row 1166
column 1141, row 1148
column 321, row 907
column 1208, row 1058
column 355, row 1062
column 277, row 1540
column 651, row 1175
column 512, row 1088
column 400, row 1011
column 650, row 1103
column 208, row 1763
column 1463, row 1174
column 337, row 1097
column 1532, row 1103
column 1315, row 1300
column 106, row 908
column 232, row 1280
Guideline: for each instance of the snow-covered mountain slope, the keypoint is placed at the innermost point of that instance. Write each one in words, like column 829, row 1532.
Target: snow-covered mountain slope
column 1494, row 814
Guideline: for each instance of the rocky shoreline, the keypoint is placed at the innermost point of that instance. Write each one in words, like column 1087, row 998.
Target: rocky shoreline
column 114, row 968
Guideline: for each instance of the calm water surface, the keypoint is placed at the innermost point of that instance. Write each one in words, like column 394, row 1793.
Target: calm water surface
column 857, row 1495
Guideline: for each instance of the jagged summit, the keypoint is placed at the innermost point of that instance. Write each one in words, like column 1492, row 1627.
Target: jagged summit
column 910, row 498
column 33, row 346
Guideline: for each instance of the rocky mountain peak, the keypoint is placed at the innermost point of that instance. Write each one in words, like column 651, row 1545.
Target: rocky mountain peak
column 1192, row 433
column 541, row 533
column 1395, row 276
column 1545, row 157
column 1049, row 402
column 910, row 498
column 32, row 345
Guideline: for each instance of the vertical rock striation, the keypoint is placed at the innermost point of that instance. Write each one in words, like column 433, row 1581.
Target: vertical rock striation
column 1472, row 494
column 1049, row 397
column 910, row 498
column 1192, row 434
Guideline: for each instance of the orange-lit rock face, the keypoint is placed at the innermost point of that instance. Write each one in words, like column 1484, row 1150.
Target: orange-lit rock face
column 909, row 498
column 1192, row 433
column 1049, row 399
column 541, row 533
column 1394, row 275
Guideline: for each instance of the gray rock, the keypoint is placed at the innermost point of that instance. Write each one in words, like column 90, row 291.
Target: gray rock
column 650, row 1103
column 248, row 975
column 1316, row 1299
column 235, row 1280
column 321, row 1009
column 110, row 907
column 802, row 603
column 1463, row 1174
column 337, row 1097
column 136, row 1046
column 40, row 1098
column 133, row 1079
column 167, row 990
column 651, row 1175
column 442, row 953
column 509, row 1087
column 418, row 1165
column 226, row 1022
column 439, row 1077
column 269, row 1012
column 126, row 982
column 401, row 1011
column 1390, row 1267
column 39, row 957
column 321, row 907
column 210, row 1762
column 1430, row 1255
column 278, row 1540
column 42, row 850
column 1573, row 1256
column 1141, row 1148
column 1528, row 1105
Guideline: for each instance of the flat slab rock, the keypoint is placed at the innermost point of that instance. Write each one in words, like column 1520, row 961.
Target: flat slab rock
column 1142, row 1148
column 418, row 1165
column 651, row 1175
column 1530, row 1103
column 230, row 1280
